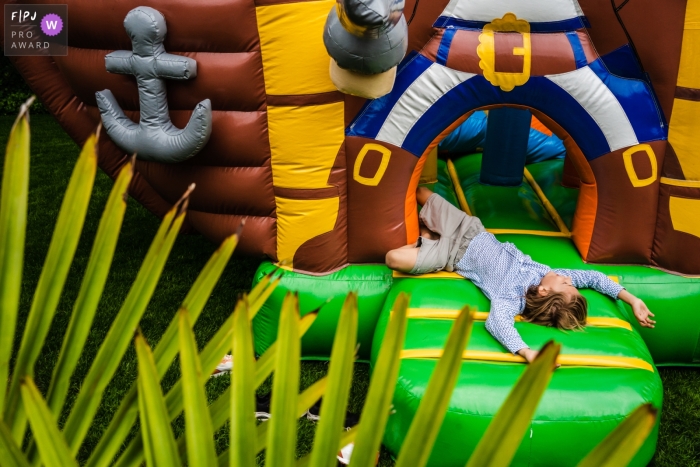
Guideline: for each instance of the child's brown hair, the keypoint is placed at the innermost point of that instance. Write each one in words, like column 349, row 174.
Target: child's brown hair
column 555, row 309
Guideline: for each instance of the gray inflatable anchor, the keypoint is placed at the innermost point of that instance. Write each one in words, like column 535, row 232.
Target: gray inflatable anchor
column 154, row 138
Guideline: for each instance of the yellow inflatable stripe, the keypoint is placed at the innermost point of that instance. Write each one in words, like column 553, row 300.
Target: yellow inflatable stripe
column 540, row 233
column 692, row 15
column 682, row 134
column 294, row 59
column 450, row 275
column 684, row 215
column 689, row 67
column 685, row 119
column 683, row 183
column 547, row 205
column 304, row 143
column 300, row 220
column 458, row 187
column 432, row 275
column 563, row 360
column 438, row 313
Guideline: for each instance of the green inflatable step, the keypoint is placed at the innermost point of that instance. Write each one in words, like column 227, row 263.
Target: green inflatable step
column 580, row 407
column 371, row 282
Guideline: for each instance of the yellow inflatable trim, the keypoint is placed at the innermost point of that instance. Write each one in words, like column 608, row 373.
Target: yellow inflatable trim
column 683, row 183
column 449, row 275
column 438, row 313
column 547, row 205
column 563, row 360
column 432, row 275
column 458, row 187
column 541, row 233
column 684, row 215
column 294, row 59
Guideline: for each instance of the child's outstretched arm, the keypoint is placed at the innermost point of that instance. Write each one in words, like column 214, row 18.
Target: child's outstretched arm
column 500, row 324
column 603, row 284
column 595, row 280
column 641, row 312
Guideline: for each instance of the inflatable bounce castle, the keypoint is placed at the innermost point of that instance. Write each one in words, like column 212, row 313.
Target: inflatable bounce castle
column 326, row 180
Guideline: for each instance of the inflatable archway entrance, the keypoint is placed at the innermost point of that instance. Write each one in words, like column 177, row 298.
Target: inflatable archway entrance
column 613, row 129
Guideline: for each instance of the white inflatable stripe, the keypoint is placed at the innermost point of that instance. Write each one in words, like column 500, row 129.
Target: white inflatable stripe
column 534, row 11
column 600, row 103
column 427, row 89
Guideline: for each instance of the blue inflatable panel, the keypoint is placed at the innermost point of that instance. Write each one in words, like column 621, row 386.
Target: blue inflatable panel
column 470, row 137
column 507, row 134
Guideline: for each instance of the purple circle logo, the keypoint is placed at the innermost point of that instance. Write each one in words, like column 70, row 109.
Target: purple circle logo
column 51, row 24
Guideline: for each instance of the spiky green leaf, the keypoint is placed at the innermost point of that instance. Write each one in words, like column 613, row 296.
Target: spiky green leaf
column 378, row 403
column 266, row 363
column 282, row 438
column 50, row 441
column 346, row 437
column 158, row 440
column 503, row 436
column 210, row 358
column 424, row 430
column 13, row 223
column 90, row 289
column 242, row 444
column 260, row 293
column 305, row 400
column 119, row 427
column 198, row 430
column 619, row 447
column 325, row 449
column 219, row 410
column 117, row 341
column 52, row 279
column 10, row 453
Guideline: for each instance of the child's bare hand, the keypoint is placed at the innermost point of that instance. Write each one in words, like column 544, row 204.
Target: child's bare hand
column 642, row 313
column 529, row 354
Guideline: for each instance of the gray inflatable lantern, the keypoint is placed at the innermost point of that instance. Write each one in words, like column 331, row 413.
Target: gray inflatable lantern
column 366, row 41
column 154, row 138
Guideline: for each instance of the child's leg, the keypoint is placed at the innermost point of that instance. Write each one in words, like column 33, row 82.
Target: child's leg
column 402, row 259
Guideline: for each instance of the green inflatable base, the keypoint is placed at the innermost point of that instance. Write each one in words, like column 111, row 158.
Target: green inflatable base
column 583, row 402
column 581, row 406
column 371, row 282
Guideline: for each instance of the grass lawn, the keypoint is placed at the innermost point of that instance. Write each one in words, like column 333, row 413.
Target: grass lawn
column 53, row 157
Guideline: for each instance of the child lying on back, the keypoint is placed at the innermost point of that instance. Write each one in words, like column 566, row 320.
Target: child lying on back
column 516, row 285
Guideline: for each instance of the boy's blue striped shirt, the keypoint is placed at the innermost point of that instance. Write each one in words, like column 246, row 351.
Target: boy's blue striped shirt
column 504, row 274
